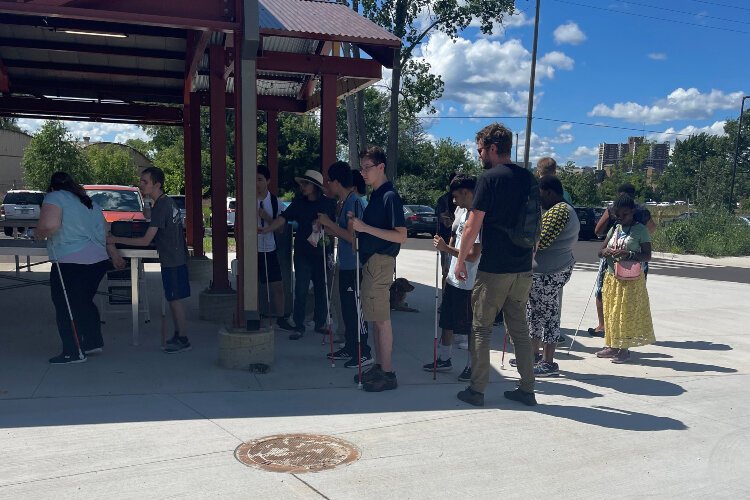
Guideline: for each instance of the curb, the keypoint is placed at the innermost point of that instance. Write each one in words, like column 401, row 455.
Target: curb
column 743, row 262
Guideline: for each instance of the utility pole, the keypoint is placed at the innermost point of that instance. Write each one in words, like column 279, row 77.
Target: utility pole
column 531, row 88
column 736, row 153
column 516, row 147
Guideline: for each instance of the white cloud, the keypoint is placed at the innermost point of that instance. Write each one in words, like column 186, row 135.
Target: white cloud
column 671, row 134
column 517, row 20
column 569, row 33
column 96, row 131
column 564, row 127
column 681, row 104
column 489, row 77
column 657, row 56
column 585, row 154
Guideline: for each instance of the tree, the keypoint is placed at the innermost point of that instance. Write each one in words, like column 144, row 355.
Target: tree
column 143, row 147
column 581, row 186
column 412, row 21
column 9, row 124
column 687, row 168
column 52, row 149
column 111, row 164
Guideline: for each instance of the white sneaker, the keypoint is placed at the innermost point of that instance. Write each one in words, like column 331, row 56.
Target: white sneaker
column 462, row 341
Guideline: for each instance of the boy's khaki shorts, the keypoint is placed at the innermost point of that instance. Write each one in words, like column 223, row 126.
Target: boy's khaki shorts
column 377, row 277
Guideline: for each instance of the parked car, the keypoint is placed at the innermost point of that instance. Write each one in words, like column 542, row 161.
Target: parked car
column 21, row 204
column 179, row 200
column 679, row 202
column 682, row 216
column 420, row 219
column 663, row 204
column 231, row 214
column 117, row 202
column 588, row 219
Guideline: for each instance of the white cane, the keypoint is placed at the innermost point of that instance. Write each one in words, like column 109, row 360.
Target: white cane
column 359, row 315
column 328, row 300
column 437, row 293
column 583, row 315
column 67, row 303
column 268, row 284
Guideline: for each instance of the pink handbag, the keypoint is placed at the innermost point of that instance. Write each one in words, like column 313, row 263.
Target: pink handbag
column 627, row 270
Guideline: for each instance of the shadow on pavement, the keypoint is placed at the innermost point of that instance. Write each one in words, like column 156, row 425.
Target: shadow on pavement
column 682, row 366
column 701, row 345
column 562, row 389
column 613, row 418
column 634, row 385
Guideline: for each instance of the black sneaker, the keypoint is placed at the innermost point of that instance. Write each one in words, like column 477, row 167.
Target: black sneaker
column 537, row 359
column 340, row 354
column 386, row 381
column 441, row 366
column 299, row 331
column 370, row 374
column 596, row 333
column 65, row 359
column 465, row 375
column 471, row 396
column 524, row 397
column 545, row 369
column 284, row 324
column 177, row 344
column 354, row 363
column 92, row 350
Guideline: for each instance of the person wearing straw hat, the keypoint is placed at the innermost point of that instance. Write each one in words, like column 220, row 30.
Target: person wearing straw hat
column 308, row 248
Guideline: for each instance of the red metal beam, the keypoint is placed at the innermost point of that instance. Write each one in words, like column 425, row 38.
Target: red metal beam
column 31, row 107
column 87, row 48
column 328, row 123
column 310, row 64
column 95, row 90
column 265, row 103
column 195, row 198
column 4, row 80
column 93, row 69
column 198, row 41
column 272, row 148
column 216, row 15
column 218, row 168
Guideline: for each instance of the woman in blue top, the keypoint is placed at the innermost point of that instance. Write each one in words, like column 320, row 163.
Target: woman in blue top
column 75, row 230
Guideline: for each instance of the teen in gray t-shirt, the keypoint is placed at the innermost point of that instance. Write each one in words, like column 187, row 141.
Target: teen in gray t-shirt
column 170, row 237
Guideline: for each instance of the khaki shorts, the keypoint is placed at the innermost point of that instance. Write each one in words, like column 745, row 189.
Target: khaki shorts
column 377, row 277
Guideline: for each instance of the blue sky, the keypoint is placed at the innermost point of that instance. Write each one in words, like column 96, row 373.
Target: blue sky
column 666, row 67
column 609, row 63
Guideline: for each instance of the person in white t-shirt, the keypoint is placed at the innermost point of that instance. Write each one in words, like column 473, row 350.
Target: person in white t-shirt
column 269, row 270
column 456, row 311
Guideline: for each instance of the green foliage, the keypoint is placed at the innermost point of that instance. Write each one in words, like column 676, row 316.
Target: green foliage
column 415, row 190
column 52, row 149
column 9, row 124
column 111, row 164
column 143, row 147
column 582, row 187
column 299, row 148
column 171, row 160
column 714, row 233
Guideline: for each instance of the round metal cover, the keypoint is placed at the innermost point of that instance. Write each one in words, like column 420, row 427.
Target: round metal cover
column 296, row 453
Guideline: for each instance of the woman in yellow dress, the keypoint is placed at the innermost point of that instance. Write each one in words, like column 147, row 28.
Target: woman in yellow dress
column 627, row 312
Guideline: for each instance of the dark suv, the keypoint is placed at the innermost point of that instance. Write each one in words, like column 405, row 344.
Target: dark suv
column 23, row 205
column 588, row 219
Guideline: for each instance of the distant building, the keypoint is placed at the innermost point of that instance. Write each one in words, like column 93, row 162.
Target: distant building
column 12, row 145
column 612, row 154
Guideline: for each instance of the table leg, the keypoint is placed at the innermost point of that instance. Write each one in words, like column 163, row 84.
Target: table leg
column 135, row 265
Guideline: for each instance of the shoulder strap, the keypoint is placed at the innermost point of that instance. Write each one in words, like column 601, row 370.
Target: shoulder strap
column 274, row 206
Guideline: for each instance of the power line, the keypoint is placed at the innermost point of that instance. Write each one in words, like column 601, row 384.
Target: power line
column 697, row 14
column 720, row 4
column 653, row 17
column 556, row 120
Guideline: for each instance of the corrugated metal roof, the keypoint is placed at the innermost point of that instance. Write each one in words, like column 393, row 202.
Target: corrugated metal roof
column 315, row 17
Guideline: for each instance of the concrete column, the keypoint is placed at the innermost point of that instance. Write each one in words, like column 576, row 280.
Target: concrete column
column 195, row 196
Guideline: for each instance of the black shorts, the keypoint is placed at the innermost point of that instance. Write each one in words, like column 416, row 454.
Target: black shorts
column 176, row 282
column 274, row 269
column 455, row 311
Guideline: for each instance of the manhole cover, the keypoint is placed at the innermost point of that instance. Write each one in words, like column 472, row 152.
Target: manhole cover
column 296, row 453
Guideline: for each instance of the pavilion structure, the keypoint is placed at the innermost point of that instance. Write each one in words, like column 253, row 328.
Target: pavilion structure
column 158, row 63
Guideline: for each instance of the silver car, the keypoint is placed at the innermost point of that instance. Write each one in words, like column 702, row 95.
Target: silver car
column 21, row 205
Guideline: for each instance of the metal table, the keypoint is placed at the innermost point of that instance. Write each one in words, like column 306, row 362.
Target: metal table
column 136, row 256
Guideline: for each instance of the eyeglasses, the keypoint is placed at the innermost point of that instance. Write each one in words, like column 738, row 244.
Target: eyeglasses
column 365, row 168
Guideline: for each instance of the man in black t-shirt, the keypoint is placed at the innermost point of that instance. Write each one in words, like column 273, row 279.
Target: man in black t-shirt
column 504, row 274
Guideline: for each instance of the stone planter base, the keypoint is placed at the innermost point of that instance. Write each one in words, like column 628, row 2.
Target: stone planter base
column 200, row 270
column 238, row 348
column 217, row 306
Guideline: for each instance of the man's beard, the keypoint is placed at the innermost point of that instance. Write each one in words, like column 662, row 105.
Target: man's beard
column 487, row 164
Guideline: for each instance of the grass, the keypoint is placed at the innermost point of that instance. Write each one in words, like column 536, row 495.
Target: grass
column 714, row 234
column 208, row 246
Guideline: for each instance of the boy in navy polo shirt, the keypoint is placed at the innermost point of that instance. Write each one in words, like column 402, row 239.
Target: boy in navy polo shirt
column 381, row 230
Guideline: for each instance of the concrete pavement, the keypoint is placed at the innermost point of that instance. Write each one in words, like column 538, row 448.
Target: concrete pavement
column 136, row 423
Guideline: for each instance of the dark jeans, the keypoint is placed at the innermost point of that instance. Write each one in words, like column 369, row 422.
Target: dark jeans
column 81, row 283
column 348, row 298
column 307, row 268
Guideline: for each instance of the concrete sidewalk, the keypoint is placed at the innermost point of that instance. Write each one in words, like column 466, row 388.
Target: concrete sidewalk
column 136, row 423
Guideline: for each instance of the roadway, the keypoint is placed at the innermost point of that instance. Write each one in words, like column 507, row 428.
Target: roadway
column 586, row 258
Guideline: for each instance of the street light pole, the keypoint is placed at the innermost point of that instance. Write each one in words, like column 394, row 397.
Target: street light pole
column 736, row 153
column 527, row 143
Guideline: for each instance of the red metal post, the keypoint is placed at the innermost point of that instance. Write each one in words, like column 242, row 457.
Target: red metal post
column 189, row 207
column 327, row 122
column 195, row 196
column 218, row 169
column 272, row 149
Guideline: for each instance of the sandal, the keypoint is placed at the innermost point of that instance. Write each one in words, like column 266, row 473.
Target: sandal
column 596, row 333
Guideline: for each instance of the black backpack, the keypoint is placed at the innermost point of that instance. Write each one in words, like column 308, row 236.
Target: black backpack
column 528, row 227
